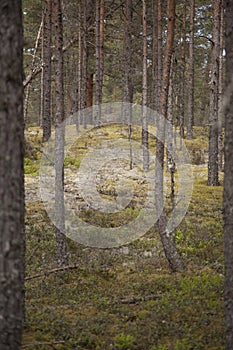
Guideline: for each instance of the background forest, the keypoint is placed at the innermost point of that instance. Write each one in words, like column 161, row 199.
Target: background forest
column 162, row 291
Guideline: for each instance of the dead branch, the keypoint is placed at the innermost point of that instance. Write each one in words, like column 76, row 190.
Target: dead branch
column 135, row 300
column 34, row 72
column 49, row 272
column 51, row 344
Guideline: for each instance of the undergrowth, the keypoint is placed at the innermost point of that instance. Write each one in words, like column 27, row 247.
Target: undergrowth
column 126, row 298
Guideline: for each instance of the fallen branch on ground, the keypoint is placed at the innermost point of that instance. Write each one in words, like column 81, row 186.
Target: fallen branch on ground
column 51, row 344
column 49, row 272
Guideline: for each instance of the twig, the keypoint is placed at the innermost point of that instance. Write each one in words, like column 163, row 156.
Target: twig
column 49, row 272
column 52, row 344
column 135, row 300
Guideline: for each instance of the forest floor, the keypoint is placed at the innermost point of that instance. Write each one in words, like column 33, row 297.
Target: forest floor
column 126, row 298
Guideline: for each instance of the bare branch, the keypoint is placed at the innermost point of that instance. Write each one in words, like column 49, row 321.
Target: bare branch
column 46, row 273
column 34, row 72
column 51, row 344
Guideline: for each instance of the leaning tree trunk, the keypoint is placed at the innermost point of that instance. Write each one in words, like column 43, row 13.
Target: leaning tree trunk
column 228, row 178
column 213, row 117
column 12, row 243
column 191, row 73
column 171, row 253
column 62, row 257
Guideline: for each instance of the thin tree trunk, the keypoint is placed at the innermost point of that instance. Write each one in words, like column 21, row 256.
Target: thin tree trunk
column 183, row 68
column 154, row 85
column 27, row 93
column 191, row 73
column 144, row 91
column 220, row 93
column 89, row 95
column 46, row 117
column 160, row 52
column 84, row 65
column 228, row 178
column 12, row 238
column 213, row 117
column 171, row 253
column 62, row 256
column 99, row 58
column 127, row 83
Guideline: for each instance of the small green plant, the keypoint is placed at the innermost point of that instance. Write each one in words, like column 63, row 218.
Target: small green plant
column 71, row 162
column 159, row 347
column 30, row 167
column 123, row 342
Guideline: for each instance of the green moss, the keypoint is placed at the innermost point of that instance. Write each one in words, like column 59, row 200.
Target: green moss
column 71, row 162
column 31, row 167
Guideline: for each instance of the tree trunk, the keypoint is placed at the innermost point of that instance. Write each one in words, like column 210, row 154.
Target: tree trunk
column 191, row 73
column 62, row 257
column 220, row 93
column 46, row 117
column 183, row 68
column 160, row 52
column 154, row 85
column 127, row 83
column 144, row 91
column 228, row 178
column 89, row 95
column 12, row 240
column 168, row 244
column 99, row 58
column 213, row 117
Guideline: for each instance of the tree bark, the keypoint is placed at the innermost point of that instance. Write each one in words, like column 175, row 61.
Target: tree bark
column 183, row 68
column 62, row 256
column 170, row 250
column 46, row 117
column 154, row 85
column 220, row 93
column 191, row 73
column 228, row 178
column 99, row 58
column 144, row 91
column 213, row 117
column 12, row 240
column 160, row 52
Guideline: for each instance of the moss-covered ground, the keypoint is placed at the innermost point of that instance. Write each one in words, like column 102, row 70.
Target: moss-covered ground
column 127, row 298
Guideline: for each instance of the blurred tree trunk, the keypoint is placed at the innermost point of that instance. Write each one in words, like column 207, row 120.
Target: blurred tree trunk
column 191, row 73
column 170, row 250
column 228, row 178
column 12, row 239
column 62, row 256
column 47, row 36
column 144, row 90
column 213, row 116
